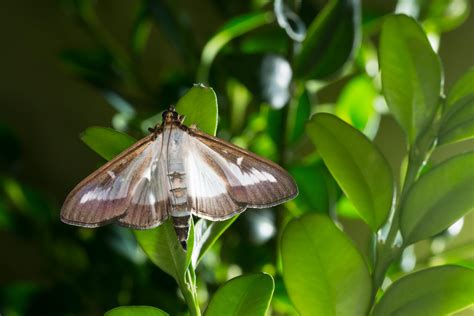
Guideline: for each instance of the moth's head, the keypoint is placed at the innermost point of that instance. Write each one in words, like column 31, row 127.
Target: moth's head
column 170, row 116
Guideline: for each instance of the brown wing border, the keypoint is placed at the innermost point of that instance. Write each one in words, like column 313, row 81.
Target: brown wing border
column 199, row 134
column 119, row 158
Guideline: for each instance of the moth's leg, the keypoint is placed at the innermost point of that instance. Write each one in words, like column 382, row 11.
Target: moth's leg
column 155, row 130
column 193, row 127
column 181, row 119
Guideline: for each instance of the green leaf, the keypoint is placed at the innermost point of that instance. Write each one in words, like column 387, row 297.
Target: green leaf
column 357, row 165
column 331, row 40
column 356, row 105
column 438, row 199
column 447, row 15
column 458, row 122
column 317, row 188
column 234, row 28
column 298, row 114
column 323, row 271
column 243, row 295
column 206, row 234
column 411, row 74
column 435, row 291
column 161, row 245
column 107, row 142
column 199, row 105
column 462, row 88
column 135, row 311
column 141, row 31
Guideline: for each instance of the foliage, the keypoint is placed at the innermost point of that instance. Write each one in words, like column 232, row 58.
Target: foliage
column 268, row 79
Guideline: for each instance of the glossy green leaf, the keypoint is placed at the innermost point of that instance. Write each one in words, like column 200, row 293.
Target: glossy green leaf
column 136, row 311
column 161, row 245
column 438, row 198
column 331, row 40
column 435, row 291
column 205, row 235
column 199, row 105
column 317, row 188
column 107, row 142
column 357, row 165
column 458, row 122
column 323, row 272
column 411, row 74
column 462, row 88
column 243, row 295
column 234, row 28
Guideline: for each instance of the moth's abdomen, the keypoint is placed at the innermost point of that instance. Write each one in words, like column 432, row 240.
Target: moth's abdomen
column 181, row 227
column 180, row 213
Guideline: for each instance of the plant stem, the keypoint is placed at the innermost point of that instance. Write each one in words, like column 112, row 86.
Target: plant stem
column 388, row 250
column 188, row 288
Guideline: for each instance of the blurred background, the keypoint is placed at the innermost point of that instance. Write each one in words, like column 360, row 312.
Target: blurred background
column 71, row 64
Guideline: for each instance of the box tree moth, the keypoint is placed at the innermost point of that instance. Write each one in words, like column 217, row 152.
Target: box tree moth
column 176, row 171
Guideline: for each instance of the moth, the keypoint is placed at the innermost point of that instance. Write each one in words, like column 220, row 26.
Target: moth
column 176, row 171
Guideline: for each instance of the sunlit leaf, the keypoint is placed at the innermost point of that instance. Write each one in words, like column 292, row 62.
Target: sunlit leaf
column 135, row 311
column 243, row 295
column 199, row 105
column 239, row 98
column 435, row 291
column 323, row 272
column 411, row 74
column 107, row 142
column 447, row 15
column 438, row 199
column 316, row 187
column 234, row 28
column 206, row 233
column 357, row 165
column 330, row 41
column 356, row 105
column 161, row 245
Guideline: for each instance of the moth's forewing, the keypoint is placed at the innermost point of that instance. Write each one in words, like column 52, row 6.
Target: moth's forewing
column 225, row 179
column 108, row 193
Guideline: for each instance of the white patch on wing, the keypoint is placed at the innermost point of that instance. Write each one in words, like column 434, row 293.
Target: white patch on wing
column 98, row 193
column 202, row 179
column 156, row 187
column 239, row 160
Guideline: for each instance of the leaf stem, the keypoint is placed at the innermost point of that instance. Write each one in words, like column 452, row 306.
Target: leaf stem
column 389, row 249
column 188, row 288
